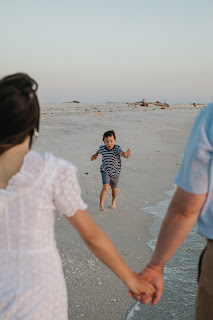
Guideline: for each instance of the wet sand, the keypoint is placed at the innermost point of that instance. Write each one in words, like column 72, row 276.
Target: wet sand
column 157, row 138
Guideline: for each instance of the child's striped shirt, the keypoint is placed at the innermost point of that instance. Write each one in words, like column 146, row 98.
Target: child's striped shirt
column 111, row 160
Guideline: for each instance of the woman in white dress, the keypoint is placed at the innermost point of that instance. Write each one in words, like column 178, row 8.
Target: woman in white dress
column 32, row 187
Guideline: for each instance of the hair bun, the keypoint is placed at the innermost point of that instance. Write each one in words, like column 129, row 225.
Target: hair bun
column 20, row 81
column 19, row 110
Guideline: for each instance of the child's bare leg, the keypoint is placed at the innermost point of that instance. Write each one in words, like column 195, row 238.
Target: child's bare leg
column 114, row 195
column 103, row 196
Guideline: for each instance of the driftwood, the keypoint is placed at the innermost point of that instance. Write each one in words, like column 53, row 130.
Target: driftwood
column 139, row 103
column 162, row 105
column 72, row 101
column 145, row 104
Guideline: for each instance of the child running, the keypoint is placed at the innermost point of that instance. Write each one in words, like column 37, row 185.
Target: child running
column 111, row 166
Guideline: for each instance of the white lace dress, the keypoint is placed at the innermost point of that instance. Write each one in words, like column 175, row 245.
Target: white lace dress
column 32, row 285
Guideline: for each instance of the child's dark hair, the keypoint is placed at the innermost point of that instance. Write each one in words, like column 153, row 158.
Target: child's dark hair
column 19, row 110
column 110, row 133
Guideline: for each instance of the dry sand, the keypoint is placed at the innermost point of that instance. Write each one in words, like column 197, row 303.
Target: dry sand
column 157, row 138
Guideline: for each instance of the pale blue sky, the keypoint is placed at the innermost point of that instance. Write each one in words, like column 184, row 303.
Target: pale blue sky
column 98, row 51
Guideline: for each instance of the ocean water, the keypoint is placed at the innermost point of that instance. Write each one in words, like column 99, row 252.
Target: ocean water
column 180, row 275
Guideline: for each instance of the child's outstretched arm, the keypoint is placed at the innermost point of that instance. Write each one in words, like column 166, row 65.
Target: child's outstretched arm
column 125, row 154
column 94, row 156
column 103, row 248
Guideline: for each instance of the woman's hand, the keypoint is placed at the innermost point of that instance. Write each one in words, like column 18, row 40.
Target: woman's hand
column 155, row 277
column 140, row 288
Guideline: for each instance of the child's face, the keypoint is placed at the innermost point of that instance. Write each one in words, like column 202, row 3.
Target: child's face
column 109, row 142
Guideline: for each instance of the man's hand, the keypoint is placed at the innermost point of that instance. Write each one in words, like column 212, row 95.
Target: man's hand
column 155, row 277
column 139, row 286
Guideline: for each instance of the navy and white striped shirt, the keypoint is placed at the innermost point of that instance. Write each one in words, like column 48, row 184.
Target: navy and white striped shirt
column 111, row 160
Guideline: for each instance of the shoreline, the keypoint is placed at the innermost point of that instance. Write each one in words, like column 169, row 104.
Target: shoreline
column 157, row 138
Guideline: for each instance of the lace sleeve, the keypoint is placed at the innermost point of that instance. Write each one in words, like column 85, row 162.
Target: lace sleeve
column 66, row 190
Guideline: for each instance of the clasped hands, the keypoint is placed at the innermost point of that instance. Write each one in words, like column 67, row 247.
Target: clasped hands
column 150, row 284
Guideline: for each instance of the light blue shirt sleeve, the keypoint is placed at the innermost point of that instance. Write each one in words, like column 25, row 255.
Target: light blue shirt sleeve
column 195, row 170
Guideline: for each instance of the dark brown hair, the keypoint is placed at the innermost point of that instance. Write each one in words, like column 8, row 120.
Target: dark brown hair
column 110, row 133
column 19, row 110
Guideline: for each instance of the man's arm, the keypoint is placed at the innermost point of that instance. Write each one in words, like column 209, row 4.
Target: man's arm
column 182, row 214
column 125, row 154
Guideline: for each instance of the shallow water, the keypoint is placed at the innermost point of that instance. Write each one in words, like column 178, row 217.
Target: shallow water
column 178, row 300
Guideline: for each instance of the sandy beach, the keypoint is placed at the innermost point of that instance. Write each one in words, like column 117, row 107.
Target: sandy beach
column 157, row 138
